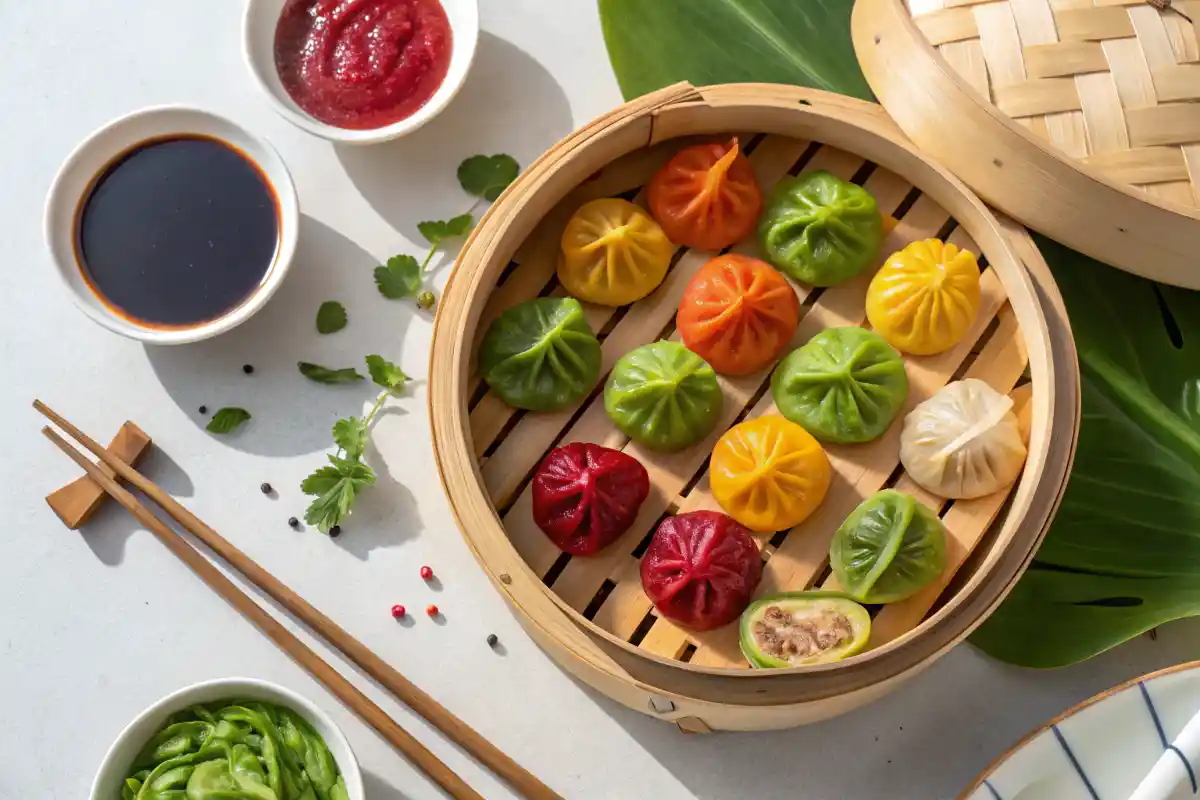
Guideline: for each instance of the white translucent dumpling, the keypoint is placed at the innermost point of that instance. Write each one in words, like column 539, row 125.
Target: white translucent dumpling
column 963, row 442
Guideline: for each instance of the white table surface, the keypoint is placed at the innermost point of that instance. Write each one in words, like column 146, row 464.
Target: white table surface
column 95, row 626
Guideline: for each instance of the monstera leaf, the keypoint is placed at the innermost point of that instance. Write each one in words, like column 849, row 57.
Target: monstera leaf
column 654, row 43
column 1123, row 554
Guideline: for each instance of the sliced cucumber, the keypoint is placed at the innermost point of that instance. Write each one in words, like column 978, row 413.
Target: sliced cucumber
column 794, row 629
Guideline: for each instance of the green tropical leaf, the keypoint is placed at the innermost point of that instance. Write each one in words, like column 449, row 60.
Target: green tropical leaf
column 654, row 43
column 1123, row 554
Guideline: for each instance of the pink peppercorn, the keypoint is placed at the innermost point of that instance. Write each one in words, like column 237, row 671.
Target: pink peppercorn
column 398, row 611
column 431, row 610
column 426, row 573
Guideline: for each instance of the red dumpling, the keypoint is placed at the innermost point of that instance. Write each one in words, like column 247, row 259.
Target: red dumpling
column 701, row 569
column 585, row 496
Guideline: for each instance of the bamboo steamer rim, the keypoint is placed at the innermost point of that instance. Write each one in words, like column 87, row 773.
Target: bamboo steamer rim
column 695, row 715
column 1011, row 168
column 857, row 126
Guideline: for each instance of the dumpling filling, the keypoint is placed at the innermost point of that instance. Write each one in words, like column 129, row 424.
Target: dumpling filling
column 800, row 635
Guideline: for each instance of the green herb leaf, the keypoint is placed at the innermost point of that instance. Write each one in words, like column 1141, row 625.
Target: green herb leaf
column 227, row 420
column 1123, row 553
column 385, row 373
column 435, row 231
column 350, row 434
column 656, row 44
column 315, row 372
column 335, row 488
column 321, row 481
column 488, row 176
column 331, row 317
column 400, row 278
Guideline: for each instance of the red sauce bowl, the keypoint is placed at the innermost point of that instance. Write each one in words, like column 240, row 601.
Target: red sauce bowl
column 260, row 25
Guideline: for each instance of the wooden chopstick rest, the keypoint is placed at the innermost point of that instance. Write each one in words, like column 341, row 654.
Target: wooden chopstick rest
column 80, row 499
column 524, row 782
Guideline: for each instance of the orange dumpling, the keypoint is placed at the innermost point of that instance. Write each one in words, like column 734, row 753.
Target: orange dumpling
column 737, row 313
column 706, row 196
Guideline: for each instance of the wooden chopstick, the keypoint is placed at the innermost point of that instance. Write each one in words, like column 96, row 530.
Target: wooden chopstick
column 345, row 691
column 437, row 715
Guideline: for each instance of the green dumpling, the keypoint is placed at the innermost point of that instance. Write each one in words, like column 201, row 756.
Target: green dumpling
column 663, row 396
column 541, row 355
column 845, row 385
column 889, row 548
column 820, row 229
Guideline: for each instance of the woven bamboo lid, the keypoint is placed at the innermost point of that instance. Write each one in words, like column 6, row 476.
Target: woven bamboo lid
column 1081, row 118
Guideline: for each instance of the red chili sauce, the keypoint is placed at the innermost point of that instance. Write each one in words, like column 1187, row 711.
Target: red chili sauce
column 362, row 64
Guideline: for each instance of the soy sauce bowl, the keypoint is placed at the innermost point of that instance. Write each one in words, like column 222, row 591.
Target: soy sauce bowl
column 76, row 179
column 258, row 41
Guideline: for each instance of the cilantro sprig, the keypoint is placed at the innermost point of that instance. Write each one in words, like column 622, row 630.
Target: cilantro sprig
column 485, row 177
column 488, row 176
column 399, row 278
column 227, row 420
column 335, row 487
column 331, row 317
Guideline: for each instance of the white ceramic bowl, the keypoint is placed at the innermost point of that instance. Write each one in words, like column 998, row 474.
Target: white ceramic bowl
column 89, row 159
column 259, row 43
column 115, row 767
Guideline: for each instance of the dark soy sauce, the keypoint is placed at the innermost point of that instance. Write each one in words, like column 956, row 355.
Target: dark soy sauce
column 178, row 231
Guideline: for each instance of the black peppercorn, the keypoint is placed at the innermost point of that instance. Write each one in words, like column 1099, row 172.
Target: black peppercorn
column 265, row 488
column 293, row 522
column 248, row 369
column 335, row 531
column 492, row 639
column 203, row 409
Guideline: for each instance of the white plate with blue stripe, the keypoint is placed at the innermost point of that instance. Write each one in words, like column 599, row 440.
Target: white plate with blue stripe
column 1102, row 748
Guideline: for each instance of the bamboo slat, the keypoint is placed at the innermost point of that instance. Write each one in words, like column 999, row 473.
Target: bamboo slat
column 591, row 613
column 608, row 585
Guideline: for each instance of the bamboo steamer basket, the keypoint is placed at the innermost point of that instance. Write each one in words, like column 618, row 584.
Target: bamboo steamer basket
column 1077, row 117
column 590, row 615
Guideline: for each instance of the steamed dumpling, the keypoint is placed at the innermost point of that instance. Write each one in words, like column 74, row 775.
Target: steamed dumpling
column 768, row 473
column 845, row 385
column 925, row 297
column 888, row 549
column 663, row 396
column 820, row 229
column 963, row 442
column 613, row 253
column 541, row 355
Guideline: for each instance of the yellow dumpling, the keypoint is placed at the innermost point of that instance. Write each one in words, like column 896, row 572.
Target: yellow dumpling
column 613, row 253
column 769, row 473
column 923, row 300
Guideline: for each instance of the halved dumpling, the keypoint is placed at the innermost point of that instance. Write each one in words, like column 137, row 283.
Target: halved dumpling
column 795, row 629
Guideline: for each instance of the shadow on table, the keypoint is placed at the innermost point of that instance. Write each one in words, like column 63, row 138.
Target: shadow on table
column 507, row 95
column 290, row 414
column 384, row 516
column 376, row 788
column 929, row 738
column 108, row 531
